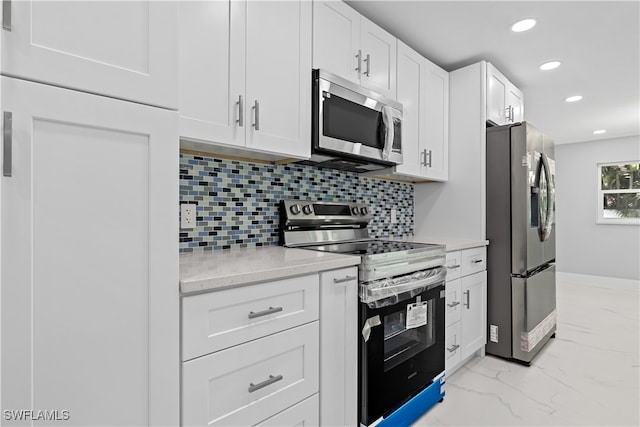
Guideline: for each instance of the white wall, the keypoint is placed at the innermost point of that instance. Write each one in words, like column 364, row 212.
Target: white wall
column 583, row 246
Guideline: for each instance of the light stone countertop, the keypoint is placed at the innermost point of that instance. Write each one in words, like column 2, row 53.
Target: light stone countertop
column 210, row 270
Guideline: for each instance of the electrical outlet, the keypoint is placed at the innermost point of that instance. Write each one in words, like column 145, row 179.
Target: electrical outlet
column 394, row 216
column 187, row 215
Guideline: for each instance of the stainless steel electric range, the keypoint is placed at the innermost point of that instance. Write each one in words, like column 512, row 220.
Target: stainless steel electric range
column 401, row 310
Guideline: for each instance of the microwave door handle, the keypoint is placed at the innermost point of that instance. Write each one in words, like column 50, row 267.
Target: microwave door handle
column 387, row 120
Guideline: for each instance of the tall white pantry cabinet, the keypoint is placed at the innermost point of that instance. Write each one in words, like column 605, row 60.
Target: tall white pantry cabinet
column 89, row 256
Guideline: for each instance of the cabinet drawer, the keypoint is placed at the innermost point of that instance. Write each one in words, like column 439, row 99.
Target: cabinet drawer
column 473, row 260
column 453, row 301
column 452, row 346
column 454, row 264
column 219, row 320
column 305, row 413
column 248, row 383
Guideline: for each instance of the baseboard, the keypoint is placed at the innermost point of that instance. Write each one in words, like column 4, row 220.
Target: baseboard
column 598, row 281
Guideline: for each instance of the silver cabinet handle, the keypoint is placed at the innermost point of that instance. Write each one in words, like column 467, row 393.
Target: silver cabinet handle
column 476, row 261
column 359, row 56
column 270, row 310
column 344, row 279
column 255, row 387
column 240, row 104
column 507, row 113
column 453, row 267
column 368, row 61
column 453, row 304
column 453, row 348
column 468, row 295
column 7, row 143
column 256, row 115
column 6, row 15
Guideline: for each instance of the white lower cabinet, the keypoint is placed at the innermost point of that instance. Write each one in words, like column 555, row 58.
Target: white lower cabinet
column 466, row 306
column 250, row 382
column 276, row 353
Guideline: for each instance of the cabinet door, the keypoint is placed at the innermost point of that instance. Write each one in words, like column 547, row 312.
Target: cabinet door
column 89, row 258
column 212, row 66
column 515, row 102
column 496, row 95
column 124, row 49
column 336, row 39
column 411, row 93
column 474, row 313
column 339, row 347
column 278, row 102
column 379, row 59
column 436, row 150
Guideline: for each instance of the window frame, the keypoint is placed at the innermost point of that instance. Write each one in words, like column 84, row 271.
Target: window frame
column 600, row 219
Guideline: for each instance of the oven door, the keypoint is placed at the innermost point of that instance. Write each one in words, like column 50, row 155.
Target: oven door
column 404, row 351
column 354, row 122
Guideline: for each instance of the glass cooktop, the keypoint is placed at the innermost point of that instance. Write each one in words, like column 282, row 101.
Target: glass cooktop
column 371, row 247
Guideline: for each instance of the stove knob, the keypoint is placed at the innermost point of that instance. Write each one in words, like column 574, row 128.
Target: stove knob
column 363, row 210
column 307, row 209
column 295, row 209
column 355, row 210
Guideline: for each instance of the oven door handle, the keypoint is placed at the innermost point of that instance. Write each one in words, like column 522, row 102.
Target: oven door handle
column 385, row 288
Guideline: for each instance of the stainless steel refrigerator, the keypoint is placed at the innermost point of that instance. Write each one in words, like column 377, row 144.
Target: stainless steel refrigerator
column 521, row 285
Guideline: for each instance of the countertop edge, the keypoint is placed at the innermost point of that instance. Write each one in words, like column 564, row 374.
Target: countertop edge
column 197, row 285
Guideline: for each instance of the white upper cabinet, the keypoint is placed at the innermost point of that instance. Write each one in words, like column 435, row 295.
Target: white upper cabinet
column 121, row 49
column 436, row 152
column 349, row 45
column 423, row 90
column 336, row 39
column 411, row 94
column 245, row 75
column 505, row 102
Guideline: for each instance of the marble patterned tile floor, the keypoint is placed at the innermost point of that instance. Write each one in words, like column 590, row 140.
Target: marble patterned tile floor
column 587, row 376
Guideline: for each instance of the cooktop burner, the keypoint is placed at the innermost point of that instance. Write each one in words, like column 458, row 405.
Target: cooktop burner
column 371, row 247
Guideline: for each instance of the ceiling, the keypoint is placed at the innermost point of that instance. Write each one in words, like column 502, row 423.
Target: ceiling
column 598, row 43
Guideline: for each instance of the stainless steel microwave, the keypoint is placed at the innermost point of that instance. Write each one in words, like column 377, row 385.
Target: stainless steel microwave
column 353, row 128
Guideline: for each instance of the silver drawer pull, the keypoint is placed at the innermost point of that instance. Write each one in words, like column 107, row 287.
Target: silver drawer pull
column 453, row 304
column 7, row 143
column 453, row 267
column 255, row 387
column 240, row 103
column 468, row 295
column 6, row 15
column 476, row 261
column 344, row 279
column 453, row 348
column 270, row 310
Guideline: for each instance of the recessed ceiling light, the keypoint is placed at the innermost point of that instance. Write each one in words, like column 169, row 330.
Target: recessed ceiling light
column 599, row 131
column 524, row 25
column 550, row 65
column 573, row 98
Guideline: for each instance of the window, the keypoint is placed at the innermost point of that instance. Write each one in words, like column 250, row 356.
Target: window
column 619, row 193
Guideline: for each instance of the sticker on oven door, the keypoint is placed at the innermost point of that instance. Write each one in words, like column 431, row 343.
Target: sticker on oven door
column 416, row 314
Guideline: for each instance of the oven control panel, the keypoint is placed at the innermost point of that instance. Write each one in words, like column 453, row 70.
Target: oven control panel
column 309, row 212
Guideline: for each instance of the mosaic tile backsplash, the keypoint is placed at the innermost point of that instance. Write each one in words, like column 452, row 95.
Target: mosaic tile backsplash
column 238, row 202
